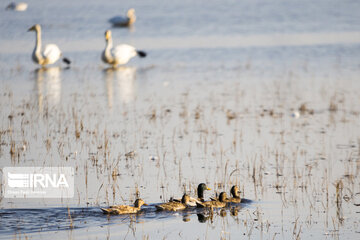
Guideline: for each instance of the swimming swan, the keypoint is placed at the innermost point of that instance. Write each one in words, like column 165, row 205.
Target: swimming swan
column 51, row 52
column 122, row 21
column 120, row 54
column 21, row 6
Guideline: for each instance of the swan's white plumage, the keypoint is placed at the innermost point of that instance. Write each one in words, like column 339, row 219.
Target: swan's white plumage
column 51, row 52
column 123, row 53
column 120, row 54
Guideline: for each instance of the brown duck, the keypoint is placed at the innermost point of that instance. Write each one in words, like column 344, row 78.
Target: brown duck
column 235, row 192
column 175, row 205
column 220, row 203
column 200, row 195
column 124, row 209
column 235, row 195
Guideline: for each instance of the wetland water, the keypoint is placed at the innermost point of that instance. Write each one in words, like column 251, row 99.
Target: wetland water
column 265, row 96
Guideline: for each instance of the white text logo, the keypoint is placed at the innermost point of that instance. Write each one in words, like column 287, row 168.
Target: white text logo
column 38, row 182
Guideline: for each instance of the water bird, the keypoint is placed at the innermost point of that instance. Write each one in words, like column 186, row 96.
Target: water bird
column 51, row 52
column 124, row 21
column 200, row 191
column 125, row 209
column 235, row 192
column 175, row 205
column 21, row 6
column 130, row 154
column 191, row 202
column 295, row 114
column 200, row 195
column 120, row 54
column 220, row 203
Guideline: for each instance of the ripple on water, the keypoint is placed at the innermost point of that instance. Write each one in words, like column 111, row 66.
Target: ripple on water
column 54, row 219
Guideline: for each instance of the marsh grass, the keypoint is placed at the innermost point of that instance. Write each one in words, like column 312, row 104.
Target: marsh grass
column 302, row 173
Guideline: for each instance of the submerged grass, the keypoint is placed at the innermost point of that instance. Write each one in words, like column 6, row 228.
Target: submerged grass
column 301, row 172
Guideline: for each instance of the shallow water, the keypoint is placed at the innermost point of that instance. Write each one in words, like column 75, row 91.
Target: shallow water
column 212, row 102
column 35, row 220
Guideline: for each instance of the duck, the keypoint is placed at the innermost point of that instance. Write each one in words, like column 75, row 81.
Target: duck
column 20, row 7
column 235, row 192
column 120, row 54
column 200, row 191
column 125, row 209
column 121, row 21
column 220, row 203
column 51, row 52
column 174, row 205
column 200, row 195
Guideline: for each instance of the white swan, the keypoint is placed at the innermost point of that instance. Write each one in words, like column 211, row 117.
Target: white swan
column 51, row 52
column 21, row 6
column 120, row 54
column 122, row 21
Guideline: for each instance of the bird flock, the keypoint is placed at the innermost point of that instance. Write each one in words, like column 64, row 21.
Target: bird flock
column 112, row 55
column 181, row 204
column 115, row 56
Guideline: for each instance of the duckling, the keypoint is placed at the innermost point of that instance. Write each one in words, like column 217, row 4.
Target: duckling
column 220, row 203
column 175, row 205
column 200, row 192
column 125, row 209
column 235, row 192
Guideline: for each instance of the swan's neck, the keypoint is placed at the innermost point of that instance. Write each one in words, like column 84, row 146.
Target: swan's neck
column 132, row 19
column 109, row 45
column 37, row 56
column 107, row 53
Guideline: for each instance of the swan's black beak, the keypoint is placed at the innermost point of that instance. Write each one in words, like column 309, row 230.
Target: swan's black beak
column 31, row 29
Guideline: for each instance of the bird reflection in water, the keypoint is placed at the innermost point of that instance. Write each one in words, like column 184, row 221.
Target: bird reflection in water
column 234, row 211
column 210, row 214
column 203, row 217
column 48, row 83
column 186, row 217
column 120, row 84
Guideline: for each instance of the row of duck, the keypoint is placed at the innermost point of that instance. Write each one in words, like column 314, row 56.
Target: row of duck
column 184, row 203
